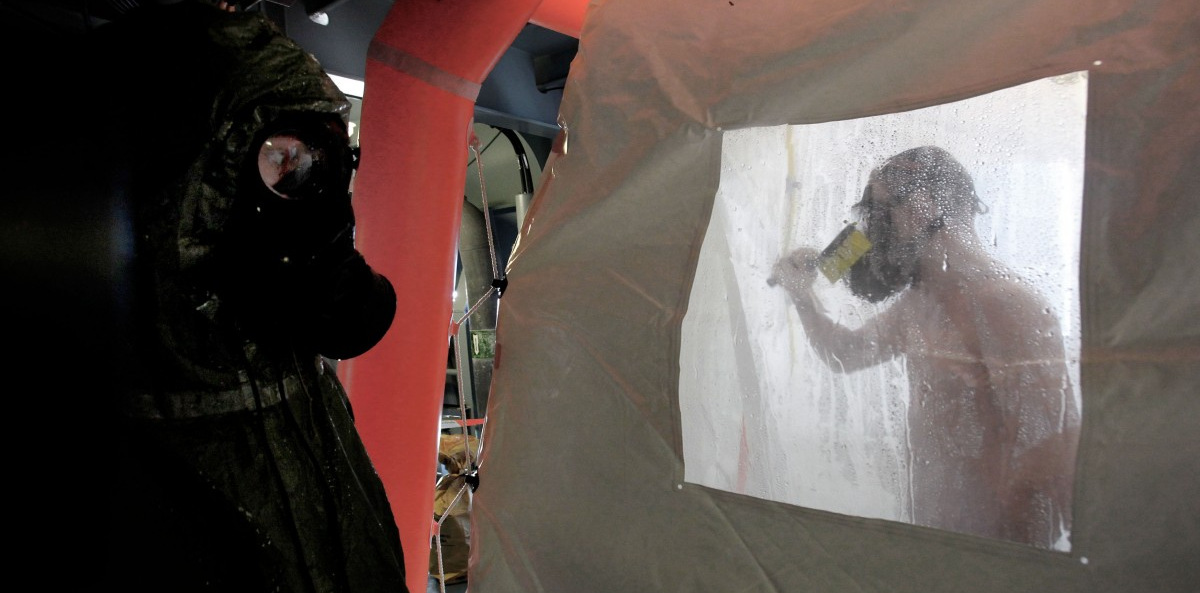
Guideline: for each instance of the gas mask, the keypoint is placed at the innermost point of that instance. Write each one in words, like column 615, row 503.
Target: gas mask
column 889, row 266
column 257, row 235
column 237, row 165
column 296, row 277
column 889, row 262
column 293, row 203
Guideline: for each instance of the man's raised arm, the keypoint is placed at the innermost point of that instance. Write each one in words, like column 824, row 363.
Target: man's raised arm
column 842, row 348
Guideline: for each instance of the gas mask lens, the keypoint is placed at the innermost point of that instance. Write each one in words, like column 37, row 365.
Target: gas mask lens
column 286, row 164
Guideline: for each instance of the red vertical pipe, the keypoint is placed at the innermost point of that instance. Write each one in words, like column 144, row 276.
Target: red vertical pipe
column 564, row 16
column 423, row 72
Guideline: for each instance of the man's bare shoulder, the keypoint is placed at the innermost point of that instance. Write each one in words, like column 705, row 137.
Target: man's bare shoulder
column 1007, row 295
column 1016, row 315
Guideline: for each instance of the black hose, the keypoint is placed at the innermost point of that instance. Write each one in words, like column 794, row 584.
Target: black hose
column 522, row 160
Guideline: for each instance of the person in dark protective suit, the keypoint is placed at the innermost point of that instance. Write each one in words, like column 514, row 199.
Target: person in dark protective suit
column 240, row 468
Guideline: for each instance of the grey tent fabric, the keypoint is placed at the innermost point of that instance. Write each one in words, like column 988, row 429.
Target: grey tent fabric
column 582, row 483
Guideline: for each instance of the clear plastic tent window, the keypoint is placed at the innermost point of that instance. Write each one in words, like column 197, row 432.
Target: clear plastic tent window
column 921, row 367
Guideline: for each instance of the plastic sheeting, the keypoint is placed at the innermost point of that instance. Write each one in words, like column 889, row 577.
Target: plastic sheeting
column 765, row 413
column 583, row 475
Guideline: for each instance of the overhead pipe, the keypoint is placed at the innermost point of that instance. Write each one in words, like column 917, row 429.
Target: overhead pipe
column 521, row 200
column 564, row 16
column 522, row 160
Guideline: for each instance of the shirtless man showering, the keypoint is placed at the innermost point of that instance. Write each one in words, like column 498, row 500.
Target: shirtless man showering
column 992, row 418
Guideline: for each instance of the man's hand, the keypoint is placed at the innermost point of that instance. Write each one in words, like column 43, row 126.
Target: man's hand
column 796, row 271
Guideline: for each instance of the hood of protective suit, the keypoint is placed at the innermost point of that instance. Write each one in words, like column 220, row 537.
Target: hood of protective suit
column 228, row 266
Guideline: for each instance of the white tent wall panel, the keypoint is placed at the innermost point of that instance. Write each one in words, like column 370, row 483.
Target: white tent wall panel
column 582, row 477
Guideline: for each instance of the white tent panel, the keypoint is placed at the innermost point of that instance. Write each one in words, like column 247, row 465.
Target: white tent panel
column 790, row 428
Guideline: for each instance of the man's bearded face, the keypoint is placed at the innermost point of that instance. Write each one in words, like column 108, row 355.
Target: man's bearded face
column 909, row 199
column 897, row 240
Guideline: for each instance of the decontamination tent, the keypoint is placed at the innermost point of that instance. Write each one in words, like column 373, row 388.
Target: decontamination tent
column 583, row 480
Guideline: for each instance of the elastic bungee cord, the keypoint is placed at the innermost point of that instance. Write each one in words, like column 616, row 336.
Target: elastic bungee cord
column 499, row 284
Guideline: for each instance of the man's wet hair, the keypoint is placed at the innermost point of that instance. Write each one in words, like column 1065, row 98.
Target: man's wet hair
column 929, row 168
column 876, row 276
